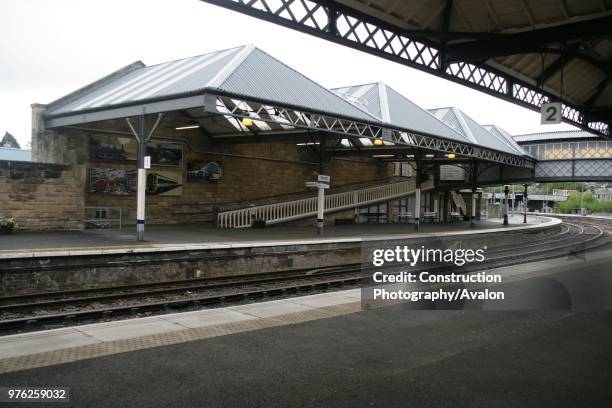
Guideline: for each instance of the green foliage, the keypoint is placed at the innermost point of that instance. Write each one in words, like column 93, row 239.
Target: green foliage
column 7, row 222
column 585, row 200
column 9, row 141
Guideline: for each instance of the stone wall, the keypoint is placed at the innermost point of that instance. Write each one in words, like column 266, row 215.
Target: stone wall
column 42, row 196
column 251, row 171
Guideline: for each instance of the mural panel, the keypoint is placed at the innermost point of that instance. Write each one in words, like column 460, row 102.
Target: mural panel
column 124, row 182
column 199, row 171
column 112, row 149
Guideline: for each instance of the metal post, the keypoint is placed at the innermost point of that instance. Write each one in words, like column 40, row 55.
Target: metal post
column 513, row 201
column 417, row 193
column 582, row 200
column 506, row 192
column 473, row 214
column 321, row 191
column 142, row 181
column 525, row 206
column 320, row 209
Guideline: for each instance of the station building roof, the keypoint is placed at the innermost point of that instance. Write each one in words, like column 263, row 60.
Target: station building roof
column 474, row 132
column 391, row 107
column 247, row 82
column 13, row 154
column 244, row 71
column 555, row 136
column 502, row 133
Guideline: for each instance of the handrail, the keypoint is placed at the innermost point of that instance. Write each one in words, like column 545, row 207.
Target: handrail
column 296, row 209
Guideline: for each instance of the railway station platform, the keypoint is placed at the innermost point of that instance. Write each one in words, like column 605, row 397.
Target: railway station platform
column 323, row 350
column 168, row 237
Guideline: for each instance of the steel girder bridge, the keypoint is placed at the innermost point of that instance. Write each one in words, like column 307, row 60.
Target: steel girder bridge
column 528, row 53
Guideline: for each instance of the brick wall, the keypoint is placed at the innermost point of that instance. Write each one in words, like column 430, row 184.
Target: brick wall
column 41, row 196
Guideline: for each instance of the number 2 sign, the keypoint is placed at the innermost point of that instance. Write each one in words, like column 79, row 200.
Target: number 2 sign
column 550, row 113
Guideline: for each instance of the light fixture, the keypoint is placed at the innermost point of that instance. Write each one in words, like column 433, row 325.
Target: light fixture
column 382, row 156
column 247, row 122
column 187, row 127
column 378, row 142
column 451, row 155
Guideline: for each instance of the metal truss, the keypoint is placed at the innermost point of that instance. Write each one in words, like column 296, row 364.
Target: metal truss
column 332, row 21
column 233, row 107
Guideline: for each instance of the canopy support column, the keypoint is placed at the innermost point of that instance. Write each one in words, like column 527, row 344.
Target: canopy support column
column 417, row 192
column 473, row 178
column 506, row 193
column 320, row 189
column 142, row 138
column 525, row 205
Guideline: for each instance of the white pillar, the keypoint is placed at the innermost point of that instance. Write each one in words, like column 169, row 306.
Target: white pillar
column 474, row 195
column 140, row 204
column 436, row 205
column 320, row 209
column 142, row 181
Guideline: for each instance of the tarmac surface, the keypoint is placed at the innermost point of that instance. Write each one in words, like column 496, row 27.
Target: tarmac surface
column 181, row 234
column 554, row 354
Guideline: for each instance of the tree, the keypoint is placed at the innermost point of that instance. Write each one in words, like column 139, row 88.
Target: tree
column 9, row 141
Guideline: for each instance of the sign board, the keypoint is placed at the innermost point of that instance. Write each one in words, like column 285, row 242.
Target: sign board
column 551, row 113
column 147, row 162
column 324, row 179
column 312, row 184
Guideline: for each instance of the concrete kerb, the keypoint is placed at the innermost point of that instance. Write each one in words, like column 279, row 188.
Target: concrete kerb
column 550, row 222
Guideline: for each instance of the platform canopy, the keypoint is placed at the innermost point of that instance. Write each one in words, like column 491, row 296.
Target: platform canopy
column 245, row 95
column 574, row 135
column 473, row 131
column 526, row 52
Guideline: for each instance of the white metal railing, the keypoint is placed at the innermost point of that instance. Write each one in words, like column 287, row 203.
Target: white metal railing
column 293, row 210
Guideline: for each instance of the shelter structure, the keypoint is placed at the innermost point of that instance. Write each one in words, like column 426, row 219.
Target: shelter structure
column 231, row 104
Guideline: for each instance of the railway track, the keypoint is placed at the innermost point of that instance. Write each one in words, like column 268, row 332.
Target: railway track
column 31, row 312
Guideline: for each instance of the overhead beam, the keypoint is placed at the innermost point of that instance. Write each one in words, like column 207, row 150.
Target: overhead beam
column 421, row 49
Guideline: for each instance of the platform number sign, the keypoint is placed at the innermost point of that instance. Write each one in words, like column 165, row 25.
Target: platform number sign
column 550, row 113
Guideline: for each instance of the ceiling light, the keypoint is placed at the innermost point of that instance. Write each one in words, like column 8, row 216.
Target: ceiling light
column 378, row 142
column 451, row 155
column 187, row 127
column 247, row 122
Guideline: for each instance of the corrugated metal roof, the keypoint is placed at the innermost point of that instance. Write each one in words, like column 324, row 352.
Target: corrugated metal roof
column 474, row 132
column 243, row 71
column 392, row 107
column 12, row 154
column 496, row 130
column 552, row 136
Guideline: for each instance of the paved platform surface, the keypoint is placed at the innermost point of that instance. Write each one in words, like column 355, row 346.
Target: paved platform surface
column 543, row 352
column 173, row 235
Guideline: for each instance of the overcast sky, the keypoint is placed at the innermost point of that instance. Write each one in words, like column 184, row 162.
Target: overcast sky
column 50, row 48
